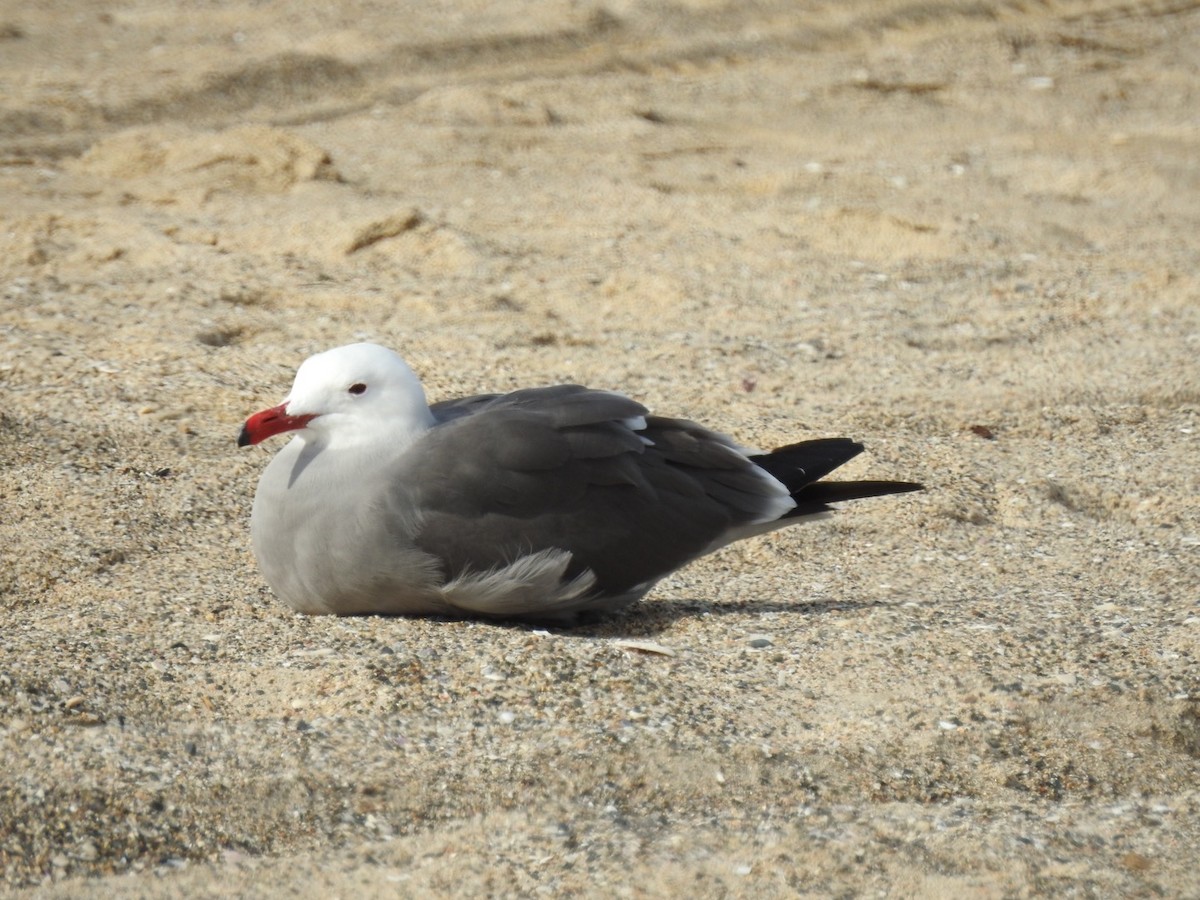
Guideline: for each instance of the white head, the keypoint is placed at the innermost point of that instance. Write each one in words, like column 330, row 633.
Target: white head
column 356, row 394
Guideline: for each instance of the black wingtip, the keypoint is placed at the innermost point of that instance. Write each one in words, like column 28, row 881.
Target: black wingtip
column 815, row 498
column 802, row 463
column 840, row 491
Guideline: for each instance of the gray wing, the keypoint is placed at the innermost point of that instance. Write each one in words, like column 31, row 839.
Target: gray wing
column 630, row 496
column 448, row 410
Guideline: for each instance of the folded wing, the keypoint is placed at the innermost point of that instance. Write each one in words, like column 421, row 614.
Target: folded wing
column 629, row 496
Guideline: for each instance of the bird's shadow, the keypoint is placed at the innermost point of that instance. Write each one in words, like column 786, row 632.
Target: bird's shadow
column 646, row 619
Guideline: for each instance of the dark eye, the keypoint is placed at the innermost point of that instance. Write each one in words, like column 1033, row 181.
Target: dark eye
column 358, row 388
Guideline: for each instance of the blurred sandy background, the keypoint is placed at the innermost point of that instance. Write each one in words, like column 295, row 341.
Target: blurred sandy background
column 962, row 232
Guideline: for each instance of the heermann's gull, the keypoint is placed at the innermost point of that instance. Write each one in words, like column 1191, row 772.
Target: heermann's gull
column 539, row 504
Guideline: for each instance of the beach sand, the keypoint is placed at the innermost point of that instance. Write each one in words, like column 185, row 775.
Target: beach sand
column 964, row 233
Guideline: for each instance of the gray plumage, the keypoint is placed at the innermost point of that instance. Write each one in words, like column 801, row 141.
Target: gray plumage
column 539, row 504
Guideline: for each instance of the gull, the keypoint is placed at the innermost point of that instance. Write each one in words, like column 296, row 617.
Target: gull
column 544, row 504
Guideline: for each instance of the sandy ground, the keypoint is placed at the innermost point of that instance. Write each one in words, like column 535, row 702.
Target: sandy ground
column 964, row 233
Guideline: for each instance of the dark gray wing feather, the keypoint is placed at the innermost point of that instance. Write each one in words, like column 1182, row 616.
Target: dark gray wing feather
column 447, row 410
column 560, row 468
